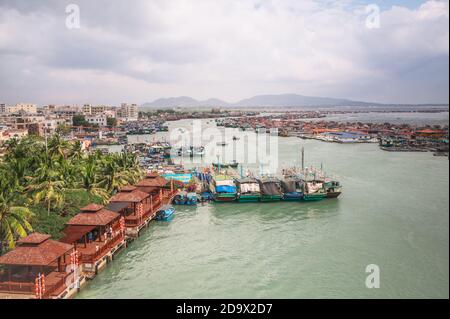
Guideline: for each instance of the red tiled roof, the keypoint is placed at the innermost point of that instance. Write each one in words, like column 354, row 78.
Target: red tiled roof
column 128, row 188
column 74, row 233
column 34, row 238
column 101, row 217
column 41, row 254
column 149, row 189
column 135, row 196
column 158, row 181
column 92, row 208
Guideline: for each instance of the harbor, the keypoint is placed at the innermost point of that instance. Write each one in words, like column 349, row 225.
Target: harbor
column 225, row 247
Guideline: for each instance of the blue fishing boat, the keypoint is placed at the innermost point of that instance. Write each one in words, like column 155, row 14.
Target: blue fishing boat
column 293, row 189
column 165, row 213
column 185, row 198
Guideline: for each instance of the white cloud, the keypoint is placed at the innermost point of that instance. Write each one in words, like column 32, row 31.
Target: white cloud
column 143, row 50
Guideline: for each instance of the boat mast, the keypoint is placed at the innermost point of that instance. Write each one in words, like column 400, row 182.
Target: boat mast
column 303, row 158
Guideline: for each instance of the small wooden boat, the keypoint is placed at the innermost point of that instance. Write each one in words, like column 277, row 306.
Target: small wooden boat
column 222, row 144
column 165, row 213
column 185, row 198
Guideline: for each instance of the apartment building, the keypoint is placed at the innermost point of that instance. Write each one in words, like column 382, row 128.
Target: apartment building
column 100, row 120
column 128, row 112
column 21, row 108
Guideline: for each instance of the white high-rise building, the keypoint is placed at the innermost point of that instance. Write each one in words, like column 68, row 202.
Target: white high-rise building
column 128, row 112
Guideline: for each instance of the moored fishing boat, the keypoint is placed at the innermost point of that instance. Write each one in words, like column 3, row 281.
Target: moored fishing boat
column 248, row 190
column 185, row 198
column 223, row 188
column 229, row 165
column 333, row 188
column 314, row 190
column 270, row 189
column 293, row 189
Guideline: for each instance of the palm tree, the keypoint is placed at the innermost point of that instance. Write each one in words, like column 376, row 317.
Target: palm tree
column 47, row 187
column 14, row 220
column 90, row 181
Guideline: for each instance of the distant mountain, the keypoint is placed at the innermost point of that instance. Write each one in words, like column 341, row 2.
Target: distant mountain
column 259, row 100
column 184, row 101
column 297, row 100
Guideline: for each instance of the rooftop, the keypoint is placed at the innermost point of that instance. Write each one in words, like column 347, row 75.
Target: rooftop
column 42, row 253
column 135, row 196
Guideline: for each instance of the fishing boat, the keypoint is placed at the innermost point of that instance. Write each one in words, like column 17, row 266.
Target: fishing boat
column 333, row 188
column 248, row 190
column 314, row 190
column 229, row 165
column 165, row 213
column 270, row 189
column 223, row 188
column 185, row 198
column 293, row 189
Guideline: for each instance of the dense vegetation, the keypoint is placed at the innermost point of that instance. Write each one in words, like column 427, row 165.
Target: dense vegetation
column 43, row 185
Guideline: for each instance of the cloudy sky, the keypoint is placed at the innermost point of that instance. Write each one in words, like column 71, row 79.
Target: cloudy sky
column 137, row 51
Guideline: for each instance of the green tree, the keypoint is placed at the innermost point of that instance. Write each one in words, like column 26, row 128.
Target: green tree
column 79, row 120
column 111, row 121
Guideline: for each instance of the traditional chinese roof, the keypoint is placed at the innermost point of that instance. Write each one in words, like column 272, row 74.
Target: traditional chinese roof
column 35, row 251
column 157, row 181
column 90, row 217
column 135, row 196
column 128, row 188
column 33, row 239
column 92, row 208
column 74, row 233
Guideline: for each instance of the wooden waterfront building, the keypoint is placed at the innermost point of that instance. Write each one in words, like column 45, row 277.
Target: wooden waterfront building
column 39, row 268
column 135, row 206
column 97, row 234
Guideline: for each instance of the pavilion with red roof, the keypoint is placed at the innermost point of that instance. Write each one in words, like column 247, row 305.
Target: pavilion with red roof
column 37, row 256
column 97, row 234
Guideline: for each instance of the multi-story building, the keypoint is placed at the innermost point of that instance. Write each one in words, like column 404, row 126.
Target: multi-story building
column 2, row 108
column 128, row 112
column 22, row 108
column 100, row 120
column 94, row 109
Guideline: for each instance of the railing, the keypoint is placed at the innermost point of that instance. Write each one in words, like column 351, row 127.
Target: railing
column 91, row 258
column 29, row 288
column 17, row 287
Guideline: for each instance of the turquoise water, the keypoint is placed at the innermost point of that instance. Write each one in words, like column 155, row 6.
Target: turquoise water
column 393, row 213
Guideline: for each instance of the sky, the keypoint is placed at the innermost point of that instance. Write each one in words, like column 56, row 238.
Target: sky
column 138, row 51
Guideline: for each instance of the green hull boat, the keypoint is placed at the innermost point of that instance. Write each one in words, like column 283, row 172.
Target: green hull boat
column 249, row 198
column 271, row 198
column 314, row 197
